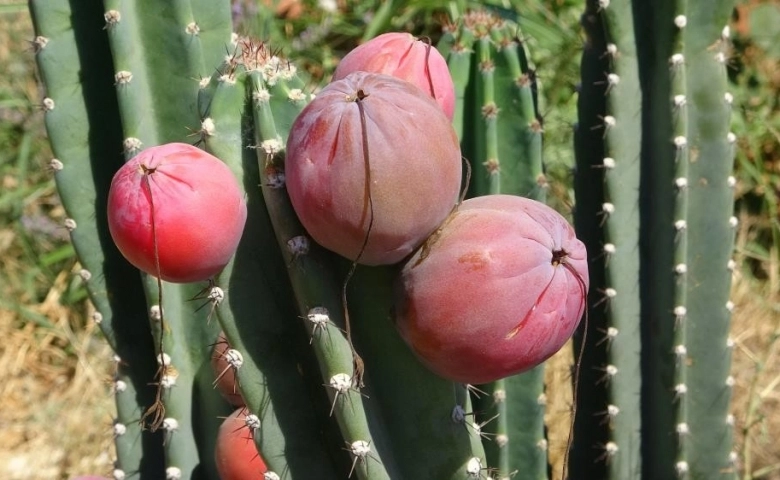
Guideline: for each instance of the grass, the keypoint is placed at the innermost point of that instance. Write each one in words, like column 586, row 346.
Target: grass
column 56, row 411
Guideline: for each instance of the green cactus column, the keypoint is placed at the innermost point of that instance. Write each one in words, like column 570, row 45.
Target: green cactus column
column 424, row 430
column 278, row 96
column 85, row 134
column 688, row 203
column 656, row 212
column 607, row 217
column 274, row 375
column 157, row 92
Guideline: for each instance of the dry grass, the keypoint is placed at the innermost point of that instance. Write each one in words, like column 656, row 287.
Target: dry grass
column 756, row 364
column 55, row 419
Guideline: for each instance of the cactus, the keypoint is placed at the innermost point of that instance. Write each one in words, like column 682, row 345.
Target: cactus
column 331, row 389
column 607, row 218
column 656, row 215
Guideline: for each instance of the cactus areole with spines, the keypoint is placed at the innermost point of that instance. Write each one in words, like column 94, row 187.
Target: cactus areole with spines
column 496, row 291
column 373, row 167
column 236, row 455
column 176, row 212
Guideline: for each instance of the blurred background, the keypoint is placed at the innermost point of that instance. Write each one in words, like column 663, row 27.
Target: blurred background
column 56, row 408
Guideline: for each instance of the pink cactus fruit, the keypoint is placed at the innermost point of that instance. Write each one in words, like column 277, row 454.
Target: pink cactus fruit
column 372, row 150
column 498, row 290
column 183, row 201
column 406, row 57
column 225, row 362
column 236, row 455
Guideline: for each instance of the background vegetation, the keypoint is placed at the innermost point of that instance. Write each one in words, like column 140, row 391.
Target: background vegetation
column 55, row 404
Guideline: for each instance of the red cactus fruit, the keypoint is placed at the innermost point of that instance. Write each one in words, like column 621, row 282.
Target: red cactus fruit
column 406, row 57
column 236, row 454
column 178, row 204
column 496, row 291
column 224, row 372
column 372, row 151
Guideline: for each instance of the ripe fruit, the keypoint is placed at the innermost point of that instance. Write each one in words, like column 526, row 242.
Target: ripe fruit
column 379, row 124
column 183, row 199
column 224, row 374
column 408, row 58
column 236, row 454
column 498, row 290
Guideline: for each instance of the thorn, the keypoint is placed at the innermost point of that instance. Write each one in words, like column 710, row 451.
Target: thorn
column 609, row 373
column 610, row 449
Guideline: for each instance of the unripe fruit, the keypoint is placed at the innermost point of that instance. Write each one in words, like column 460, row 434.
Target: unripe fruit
column 379, row 124
column 224, row 373
column 236, row 454
column 406, row 57
column 183, row 201
column 496, row 291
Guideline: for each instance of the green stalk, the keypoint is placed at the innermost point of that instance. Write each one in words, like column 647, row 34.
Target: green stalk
column 156, row 92
column 687, row 390
column 276, row 369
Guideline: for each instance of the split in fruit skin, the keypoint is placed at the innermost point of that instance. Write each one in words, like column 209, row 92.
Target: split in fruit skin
column 412, row 157
column 501, row 290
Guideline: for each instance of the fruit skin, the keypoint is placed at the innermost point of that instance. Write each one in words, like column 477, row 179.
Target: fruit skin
column 415, row 167
column 199, row 212
column 236, row 454
column 403, row 56
column 483, row 300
